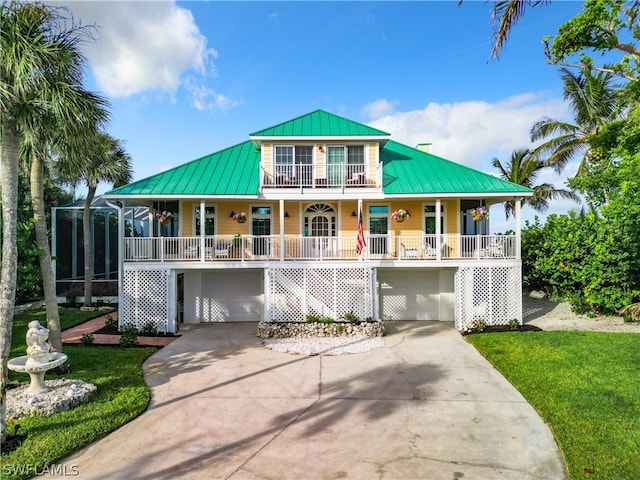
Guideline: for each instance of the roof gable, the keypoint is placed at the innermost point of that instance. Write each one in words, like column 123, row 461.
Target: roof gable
column 320, row 124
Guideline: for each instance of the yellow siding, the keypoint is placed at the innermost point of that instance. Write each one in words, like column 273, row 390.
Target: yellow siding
column 267, row 153
column 226, row 226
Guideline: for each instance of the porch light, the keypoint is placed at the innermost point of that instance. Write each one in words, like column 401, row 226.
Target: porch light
column 232, row 214
column 354, row 214
column 286, row 214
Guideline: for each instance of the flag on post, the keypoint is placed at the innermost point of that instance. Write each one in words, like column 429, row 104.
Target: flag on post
column 360, row 243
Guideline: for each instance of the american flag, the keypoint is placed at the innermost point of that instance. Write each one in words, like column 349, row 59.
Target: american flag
column 360, row 242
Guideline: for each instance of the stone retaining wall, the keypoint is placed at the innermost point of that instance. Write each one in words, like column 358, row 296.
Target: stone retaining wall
column 319, row 329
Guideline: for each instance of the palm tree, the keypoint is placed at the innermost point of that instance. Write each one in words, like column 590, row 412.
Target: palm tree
column 36, row 44
column 593, row 99
column 505, row 15
column 109, row 162
column 523, row 168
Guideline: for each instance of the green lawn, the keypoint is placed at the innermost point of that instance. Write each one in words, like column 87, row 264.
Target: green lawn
column 122, row 395
column 586, row 386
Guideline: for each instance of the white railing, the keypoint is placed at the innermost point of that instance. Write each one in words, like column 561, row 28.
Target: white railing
column 291, row 248
column 333, row 175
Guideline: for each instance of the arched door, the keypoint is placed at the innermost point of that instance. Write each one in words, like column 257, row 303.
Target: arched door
column 319, row 230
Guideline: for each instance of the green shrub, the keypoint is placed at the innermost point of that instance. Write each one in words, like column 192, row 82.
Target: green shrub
column 350, row 317
column 149, row 329
column 514, row 324
column 111, row 322
column 585, row 259
column 87, row 339
column 129, row 335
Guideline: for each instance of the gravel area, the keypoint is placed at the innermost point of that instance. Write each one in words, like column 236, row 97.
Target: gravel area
column 549, row 314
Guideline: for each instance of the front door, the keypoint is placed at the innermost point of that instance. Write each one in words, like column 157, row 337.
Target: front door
column 261, row 231
column 378, row 230
column 320, row 230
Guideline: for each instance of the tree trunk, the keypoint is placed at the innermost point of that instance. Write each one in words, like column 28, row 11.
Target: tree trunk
column 9, row 161
column 42, row 240
column 88, row 250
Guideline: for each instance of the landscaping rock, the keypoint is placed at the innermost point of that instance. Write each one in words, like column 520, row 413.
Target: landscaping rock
column 63, row 395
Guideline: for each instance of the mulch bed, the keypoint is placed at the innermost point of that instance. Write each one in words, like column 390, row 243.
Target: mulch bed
column 111, row 330
column 505, row 328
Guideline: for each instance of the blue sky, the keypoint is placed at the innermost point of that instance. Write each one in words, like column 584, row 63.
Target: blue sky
column 189, row 78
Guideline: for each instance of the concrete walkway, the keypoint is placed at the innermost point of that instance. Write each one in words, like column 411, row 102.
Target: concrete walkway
column 425, row 406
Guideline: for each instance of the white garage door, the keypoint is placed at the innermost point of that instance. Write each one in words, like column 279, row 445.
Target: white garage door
column 223, row 296
column 409, row 294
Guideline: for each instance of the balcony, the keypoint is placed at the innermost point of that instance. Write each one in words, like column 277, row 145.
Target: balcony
column 334, row 175
column 424, row 248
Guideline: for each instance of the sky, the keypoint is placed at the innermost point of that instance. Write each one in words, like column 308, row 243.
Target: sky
column 185, row 79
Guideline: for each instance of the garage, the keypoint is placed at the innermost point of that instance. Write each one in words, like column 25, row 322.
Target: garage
column 416, row 294
column 223, row 296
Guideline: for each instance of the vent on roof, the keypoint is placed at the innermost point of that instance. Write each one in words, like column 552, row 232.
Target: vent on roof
column 424, row 147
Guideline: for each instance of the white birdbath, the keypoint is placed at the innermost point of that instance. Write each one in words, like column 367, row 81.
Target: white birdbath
column 38, row 359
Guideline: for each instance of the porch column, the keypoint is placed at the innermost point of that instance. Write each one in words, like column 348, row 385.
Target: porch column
column 518, row 206
column 438, row 229
column 202, row 230
column 119, row 207
column 281, row 213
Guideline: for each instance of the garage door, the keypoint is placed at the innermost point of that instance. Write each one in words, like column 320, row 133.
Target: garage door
column 408, row 294
column 223, row 296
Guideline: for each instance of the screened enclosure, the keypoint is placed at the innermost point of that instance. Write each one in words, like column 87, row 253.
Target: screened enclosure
column 67, row 245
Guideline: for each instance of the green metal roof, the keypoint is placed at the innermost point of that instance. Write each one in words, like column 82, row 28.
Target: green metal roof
column 407, row 170
column 232, row 171
column 320, row 124
column 236, row 170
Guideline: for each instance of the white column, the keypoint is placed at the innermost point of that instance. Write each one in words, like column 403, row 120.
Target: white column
column 518, row 215
column 202, row 232
column 281, row 212
column 438, row 229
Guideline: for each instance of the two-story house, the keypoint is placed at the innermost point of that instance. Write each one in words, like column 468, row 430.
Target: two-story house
column 268, row 230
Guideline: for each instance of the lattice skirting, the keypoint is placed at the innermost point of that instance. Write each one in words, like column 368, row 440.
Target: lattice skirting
column 146, row 299
column 492, row 295
column 332, row 292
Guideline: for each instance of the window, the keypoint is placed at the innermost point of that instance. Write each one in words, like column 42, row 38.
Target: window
column 284, row 164
column 209, row 220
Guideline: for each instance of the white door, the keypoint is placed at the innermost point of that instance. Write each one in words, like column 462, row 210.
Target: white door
column 409, row 294
column 223, row 296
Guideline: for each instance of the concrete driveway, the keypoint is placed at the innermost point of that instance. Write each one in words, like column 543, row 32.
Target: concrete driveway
column 425, row 406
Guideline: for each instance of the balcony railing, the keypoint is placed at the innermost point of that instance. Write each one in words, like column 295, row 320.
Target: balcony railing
column 292, row 248
column 332, row 175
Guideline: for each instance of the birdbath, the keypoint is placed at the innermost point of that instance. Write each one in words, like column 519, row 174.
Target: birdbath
column 38, row 360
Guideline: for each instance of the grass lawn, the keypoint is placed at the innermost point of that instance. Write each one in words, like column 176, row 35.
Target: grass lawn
column 586, row 386
column 121, row 396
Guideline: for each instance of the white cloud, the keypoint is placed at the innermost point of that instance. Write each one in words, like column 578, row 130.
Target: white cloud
column 472, row 133
column 205, row 98
column 379, row 108
column 467, row 132
column 144, row 46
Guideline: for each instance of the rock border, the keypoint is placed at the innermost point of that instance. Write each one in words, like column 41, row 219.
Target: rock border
column 319, row 329
column 63, row 395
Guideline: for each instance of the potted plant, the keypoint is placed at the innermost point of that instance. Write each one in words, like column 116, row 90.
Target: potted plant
column 400, row 215
column 480, row 213
column 164, row 217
